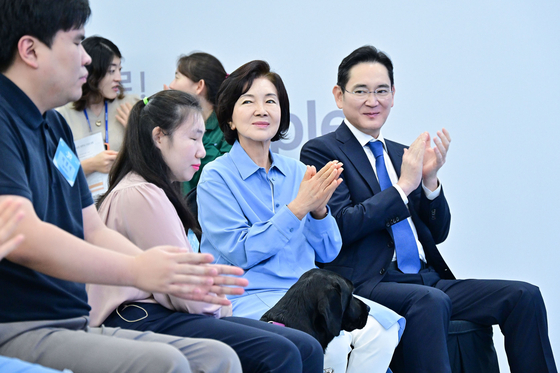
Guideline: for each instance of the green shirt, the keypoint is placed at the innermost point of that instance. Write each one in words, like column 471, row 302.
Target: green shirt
column 215, row 145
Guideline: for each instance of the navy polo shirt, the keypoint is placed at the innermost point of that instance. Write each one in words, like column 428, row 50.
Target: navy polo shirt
column 28, row 142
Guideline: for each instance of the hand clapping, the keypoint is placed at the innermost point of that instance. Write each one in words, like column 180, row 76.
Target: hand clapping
column 434, row 158
column 171, row 270
column 421, row 162
column 316, row 189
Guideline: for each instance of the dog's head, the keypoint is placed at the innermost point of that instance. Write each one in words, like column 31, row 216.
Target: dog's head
column 337, row 308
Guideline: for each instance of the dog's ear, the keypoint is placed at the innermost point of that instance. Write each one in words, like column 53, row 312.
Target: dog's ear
column 332, row 309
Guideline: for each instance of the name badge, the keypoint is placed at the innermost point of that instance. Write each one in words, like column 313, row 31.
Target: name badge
column 67, row 162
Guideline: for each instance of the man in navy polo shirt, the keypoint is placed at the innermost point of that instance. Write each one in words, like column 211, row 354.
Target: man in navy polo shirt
column 43, row 317
column 10, row 215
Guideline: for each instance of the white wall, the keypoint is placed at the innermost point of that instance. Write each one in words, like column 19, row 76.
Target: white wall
column 486, row 70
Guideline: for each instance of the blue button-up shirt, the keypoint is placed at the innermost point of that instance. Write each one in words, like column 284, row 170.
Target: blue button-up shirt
column 246, row 222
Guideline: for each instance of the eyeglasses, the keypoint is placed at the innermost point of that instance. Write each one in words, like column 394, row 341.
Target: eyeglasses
column 362, row 94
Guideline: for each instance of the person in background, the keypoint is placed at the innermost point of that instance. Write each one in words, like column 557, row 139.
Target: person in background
column 201, row 75
column 268, row 214
column 103, row 106
column 163, row 146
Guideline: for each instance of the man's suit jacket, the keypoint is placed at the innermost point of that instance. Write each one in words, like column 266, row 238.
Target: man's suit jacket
column 365, row 214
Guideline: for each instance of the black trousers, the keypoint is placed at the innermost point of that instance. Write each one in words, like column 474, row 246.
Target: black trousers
column 261, row 347
column 428, row 303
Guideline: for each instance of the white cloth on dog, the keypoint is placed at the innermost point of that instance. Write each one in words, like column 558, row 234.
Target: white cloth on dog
column 386, row 319
column 363, row 350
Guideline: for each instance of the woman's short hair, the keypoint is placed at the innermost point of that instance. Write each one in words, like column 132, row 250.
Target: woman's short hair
column 203, row 66
column 102, row 52
column 237, row 84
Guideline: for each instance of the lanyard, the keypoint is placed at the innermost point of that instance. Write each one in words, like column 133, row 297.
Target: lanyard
column 106, row 123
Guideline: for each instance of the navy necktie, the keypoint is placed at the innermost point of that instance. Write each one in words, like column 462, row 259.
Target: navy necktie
column 408, row 259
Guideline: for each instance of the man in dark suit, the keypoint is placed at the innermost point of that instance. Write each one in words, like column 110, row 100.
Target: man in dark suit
column 391, row 211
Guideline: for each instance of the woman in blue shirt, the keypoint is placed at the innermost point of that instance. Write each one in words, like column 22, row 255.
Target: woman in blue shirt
column 268, row 214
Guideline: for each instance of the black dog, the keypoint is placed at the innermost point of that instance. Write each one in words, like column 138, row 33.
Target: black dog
column 321, row 304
